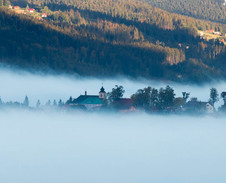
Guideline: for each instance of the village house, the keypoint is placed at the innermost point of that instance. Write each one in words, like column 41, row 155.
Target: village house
column 195, row 106
column 89, row 102
column 44, row 15
column 16, row 7
column 217, row 33
column 31, row 10
column 201, row 33
column 210, row 31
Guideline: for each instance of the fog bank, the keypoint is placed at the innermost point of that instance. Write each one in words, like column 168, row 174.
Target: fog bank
column 15, row 84
column 56, row 147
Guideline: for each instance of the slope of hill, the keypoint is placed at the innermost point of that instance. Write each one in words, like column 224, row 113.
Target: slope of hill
column 125, row 39
column 213, row 10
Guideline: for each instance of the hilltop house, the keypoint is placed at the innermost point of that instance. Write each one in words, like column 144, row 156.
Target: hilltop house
column 89, row 102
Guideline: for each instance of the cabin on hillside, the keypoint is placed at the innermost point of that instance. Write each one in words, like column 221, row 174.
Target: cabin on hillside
column 216, row 33
column 44, row 15
column 210, row 31
column 89, row 102
column 31, row 10
column 16, row 7
column 201, row 33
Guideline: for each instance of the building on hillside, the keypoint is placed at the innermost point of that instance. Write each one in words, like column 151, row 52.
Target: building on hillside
column 31, row 10
column 201, row 33
column 44, row 15
column 89, row 102
column 16, row 7
column 210, row 31
column 217, row 33
column 195, row 106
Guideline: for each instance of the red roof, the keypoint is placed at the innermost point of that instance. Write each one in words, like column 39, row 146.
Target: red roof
column 31, row 9
column 211, row 30
column 123, row 103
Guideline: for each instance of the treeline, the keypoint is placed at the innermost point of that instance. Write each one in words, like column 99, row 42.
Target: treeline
column 30, row 43
column 149, row 99
column 213, row 10
column 164, row 100
column 135, row 10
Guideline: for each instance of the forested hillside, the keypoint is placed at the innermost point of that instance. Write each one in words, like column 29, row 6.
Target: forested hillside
column 213, row 10
column 135, row 10
column 109, row 38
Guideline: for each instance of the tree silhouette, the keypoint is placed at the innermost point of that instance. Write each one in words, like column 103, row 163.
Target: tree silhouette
column 26, row 101
column 223, row 96
column 214, row 96
column 60, row 103
column 154, row 98
column 38, row 104
column 142, row 98
column 116, row 93
column 185, row 96
column 54, row 103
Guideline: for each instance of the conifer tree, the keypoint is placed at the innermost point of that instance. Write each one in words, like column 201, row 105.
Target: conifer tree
column 38, row 104
column 26, row 101
column 54, row 103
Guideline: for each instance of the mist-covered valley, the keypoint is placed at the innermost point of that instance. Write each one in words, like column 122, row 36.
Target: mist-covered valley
column 84, row 147
column 58, row 146
column 97, row 99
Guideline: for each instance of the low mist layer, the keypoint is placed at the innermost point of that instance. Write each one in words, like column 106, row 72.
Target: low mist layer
column 57, row 147
column 62, row 147
column 15, row 84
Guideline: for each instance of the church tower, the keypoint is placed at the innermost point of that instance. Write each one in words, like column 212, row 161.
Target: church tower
column 102, row 93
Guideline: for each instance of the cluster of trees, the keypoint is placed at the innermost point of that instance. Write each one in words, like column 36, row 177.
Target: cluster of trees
column 26, row 103
column 87, row 38
column 160, row 99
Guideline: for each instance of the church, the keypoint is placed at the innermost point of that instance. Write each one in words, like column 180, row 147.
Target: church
column 90, row 102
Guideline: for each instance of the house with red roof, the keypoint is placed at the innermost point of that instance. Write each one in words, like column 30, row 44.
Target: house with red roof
column 44, row 15
column 31, row 10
